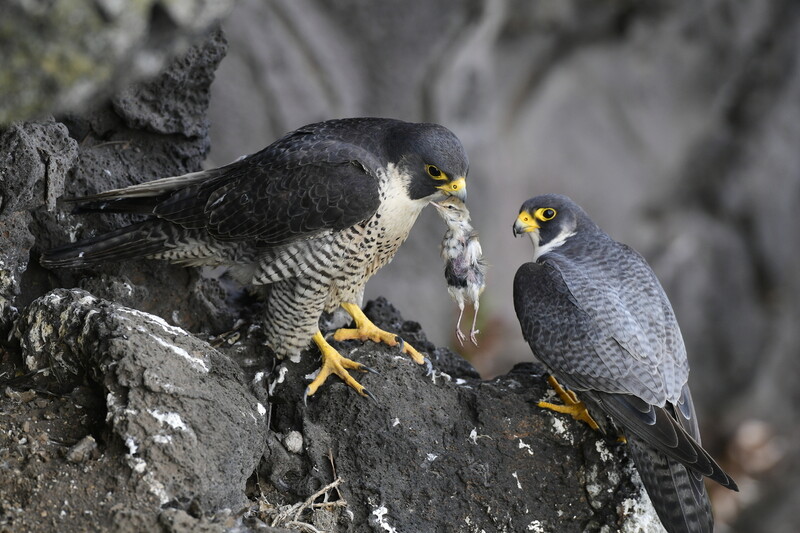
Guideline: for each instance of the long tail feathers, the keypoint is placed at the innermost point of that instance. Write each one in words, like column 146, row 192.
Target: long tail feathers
column 140, row 198
column 142, row 239
column 678, row 495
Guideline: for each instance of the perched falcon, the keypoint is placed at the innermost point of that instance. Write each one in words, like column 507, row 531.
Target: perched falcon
column 315, row 215
column 595, row 315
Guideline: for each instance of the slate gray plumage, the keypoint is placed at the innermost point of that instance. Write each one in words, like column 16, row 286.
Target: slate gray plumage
column 315, row 214
column 594, row 313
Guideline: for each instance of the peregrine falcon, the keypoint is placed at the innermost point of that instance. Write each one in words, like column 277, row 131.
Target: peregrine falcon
column 594, row 313
column 465, row 269
column 315, row 215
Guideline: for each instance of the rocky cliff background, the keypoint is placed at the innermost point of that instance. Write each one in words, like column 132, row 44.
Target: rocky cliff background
column 676, row 125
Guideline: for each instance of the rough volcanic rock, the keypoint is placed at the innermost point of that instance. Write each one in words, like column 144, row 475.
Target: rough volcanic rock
column 180, row 429
column 438, row 452
column 36, row 157
column 83, row 50
column 135, row 140
column 192, row 427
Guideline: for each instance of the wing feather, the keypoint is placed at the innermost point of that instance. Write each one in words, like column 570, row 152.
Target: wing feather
column 303, row 185
column 568, row 339
column 642, row 341
column 280, row 195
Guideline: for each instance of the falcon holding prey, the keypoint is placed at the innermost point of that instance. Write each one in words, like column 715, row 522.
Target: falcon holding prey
column 315, row 215
column 595, row 315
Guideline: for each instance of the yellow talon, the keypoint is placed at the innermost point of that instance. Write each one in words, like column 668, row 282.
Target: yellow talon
column 365, row 329
column 572, row 406
column 334, row 363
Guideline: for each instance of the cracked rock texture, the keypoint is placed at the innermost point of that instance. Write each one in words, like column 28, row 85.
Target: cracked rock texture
column 33, row 166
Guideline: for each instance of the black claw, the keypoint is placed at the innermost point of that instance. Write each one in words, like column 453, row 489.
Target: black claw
column 365, row 368
column 365, row 392
column 400, row 342
column 428, row 366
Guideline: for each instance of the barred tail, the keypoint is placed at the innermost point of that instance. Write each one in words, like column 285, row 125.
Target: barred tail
column 678, row 494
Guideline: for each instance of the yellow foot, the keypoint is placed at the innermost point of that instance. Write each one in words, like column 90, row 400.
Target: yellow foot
column 365, row 329
column 334, row 363
column 572, row 406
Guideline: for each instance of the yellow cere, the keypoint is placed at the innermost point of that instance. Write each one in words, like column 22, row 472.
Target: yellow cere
column 455, row 185
column 528, row 221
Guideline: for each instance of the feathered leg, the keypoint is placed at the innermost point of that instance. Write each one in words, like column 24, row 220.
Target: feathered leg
column 292, row 319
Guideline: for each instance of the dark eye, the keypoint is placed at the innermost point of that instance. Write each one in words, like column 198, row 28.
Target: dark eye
column 434, row 171
column 548, row 213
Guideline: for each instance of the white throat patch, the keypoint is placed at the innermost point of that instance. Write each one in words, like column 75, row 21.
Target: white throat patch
column 539, row 251
column 395, row 179
column 397, row 210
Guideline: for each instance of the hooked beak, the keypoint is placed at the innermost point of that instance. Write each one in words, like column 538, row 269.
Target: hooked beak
column 456, row 187
column 525, row 223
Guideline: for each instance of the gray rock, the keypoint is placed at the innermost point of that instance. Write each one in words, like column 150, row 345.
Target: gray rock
column 192, row 426
column 446, row 452
column 185, row 420
column 84, row 450
column 143, row 106
column 137, row 139
column 22, row 397
column 35, row 158
column 35, row 161
column 83, row 50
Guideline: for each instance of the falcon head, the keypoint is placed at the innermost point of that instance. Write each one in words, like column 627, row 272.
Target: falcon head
column 433, row 159
column 550, row 220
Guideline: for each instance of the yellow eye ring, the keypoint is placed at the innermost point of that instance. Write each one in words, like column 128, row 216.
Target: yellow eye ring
column 545, row 213
column 434, row 172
